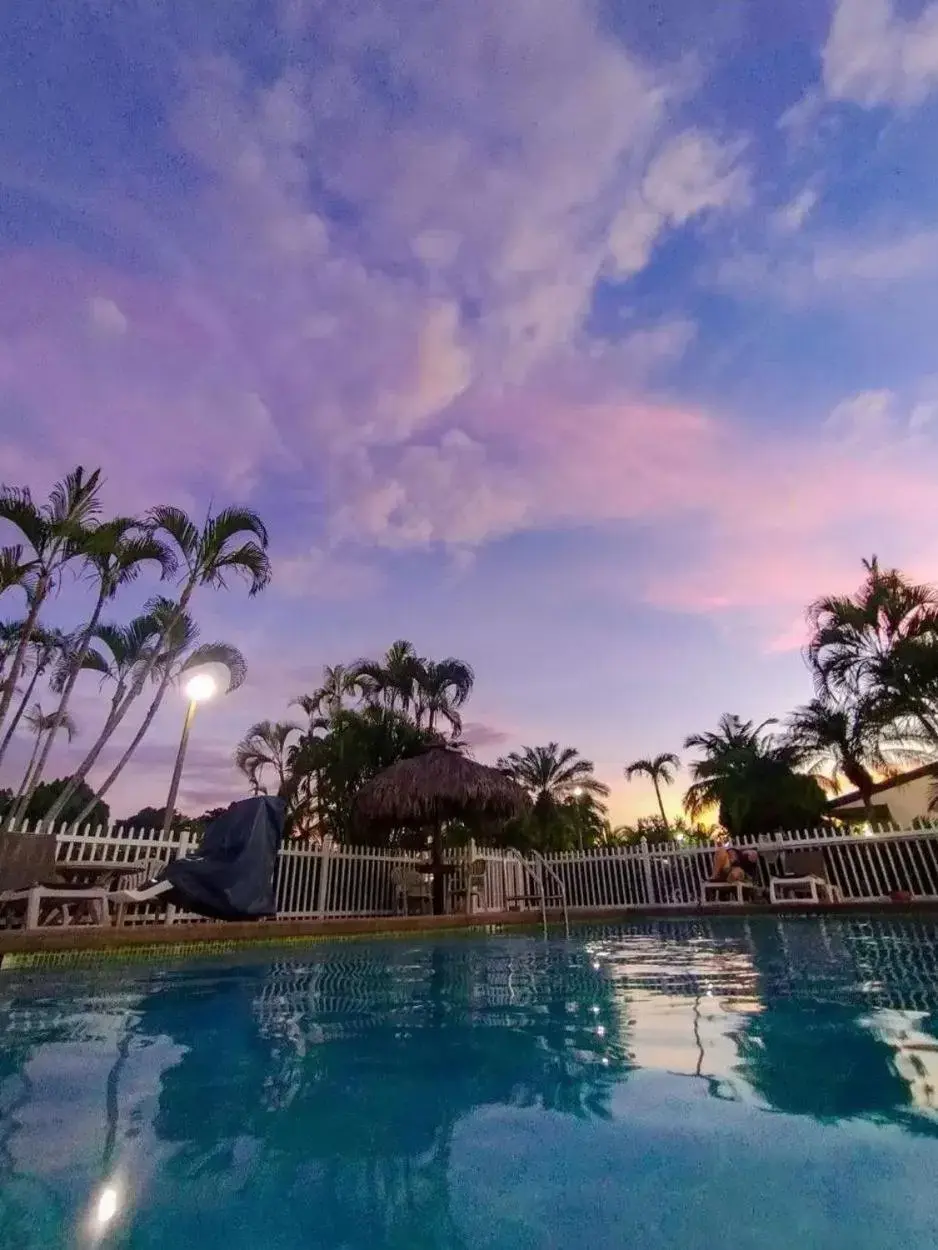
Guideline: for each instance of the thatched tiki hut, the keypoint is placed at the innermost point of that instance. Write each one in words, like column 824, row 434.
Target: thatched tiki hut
column 428, row 790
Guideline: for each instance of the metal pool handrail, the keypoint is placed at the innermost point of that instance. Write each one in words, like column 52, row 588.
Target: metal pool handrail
column 538, row 879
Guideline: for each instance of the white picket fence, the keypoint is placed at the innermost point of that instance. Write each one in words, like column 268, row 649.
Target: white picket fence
column 340, row 881
column 866, row 868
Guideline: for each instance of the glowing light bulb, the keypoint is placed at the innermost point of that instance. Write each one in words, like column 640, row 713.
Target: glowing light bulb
column 106, row 1207
column 200, row 687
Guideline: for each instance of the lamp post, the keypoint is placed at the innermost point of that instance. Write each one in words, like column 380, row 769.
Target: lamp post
column 578, row 795
column 199, row 688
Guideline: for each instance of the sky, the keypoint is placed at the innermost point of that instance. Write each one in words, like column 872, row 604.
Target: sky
column 588, row 342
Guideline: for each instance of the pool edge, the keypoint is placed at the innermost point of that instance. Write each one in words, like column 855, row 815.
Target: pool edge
column 89, row 944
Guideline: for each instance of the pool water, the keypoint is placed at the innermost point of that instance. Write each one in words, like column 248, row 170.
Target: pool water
column 748, row 1084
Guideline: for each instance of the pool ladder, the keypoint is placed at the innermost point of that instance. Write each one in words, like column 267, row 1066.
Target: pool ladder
column 536, row 872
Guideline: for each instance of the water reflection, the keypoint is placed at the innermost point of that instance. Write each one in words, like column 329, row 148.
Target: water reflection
column 349, row 1099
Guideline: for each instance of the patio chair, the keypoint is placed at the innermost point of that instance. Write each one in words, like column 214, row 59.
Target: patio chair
column 745, row 891
column 712, row 892
column 147, row 888
column 470, row 885
column 411, row 886
column 142, row 888
column 28, row 882
column 803, row 878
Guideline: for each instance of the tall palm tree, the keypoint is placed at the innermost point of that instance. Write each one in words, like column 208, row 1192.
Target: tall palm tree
column 850, row 740
column 10, row 634
column 55, row 533
column 661, row 771
column 751, row 778
column 41, row 725
column 393, row 680
column 181, row 654
column 553, row 773
column 881, row 642
column 441, row 689
column 16, row 573
column 339, row 682
column 45, row 649
column 233, row 542
column 121, row 655
column 114, row 552
column 265, row 746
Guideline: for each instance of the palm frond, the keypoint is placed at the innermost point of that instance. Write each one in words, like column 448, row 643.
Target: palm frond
column 19, row 509
column 249, row 562
column 175, row 523
column 75, row 500
column 218, row 653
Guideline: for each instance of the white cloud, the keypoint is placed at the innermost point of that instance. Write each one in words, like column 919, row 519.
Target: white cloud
column 450, row 492
column 322, row 574
column 498, row 190
column 835, row 267
column 792, row 216
column 693, row 173
column 106, row 318
column 443, row 365
column 867, row 417
column 874, row 57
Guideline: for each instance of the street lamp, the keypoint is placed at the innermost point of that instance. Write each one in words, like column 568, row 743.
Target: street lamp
column 198, row 688
column 578, row 793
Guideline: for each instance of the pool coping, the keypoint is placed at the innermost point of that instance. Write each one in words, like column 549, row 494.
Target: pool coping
column 19, row 949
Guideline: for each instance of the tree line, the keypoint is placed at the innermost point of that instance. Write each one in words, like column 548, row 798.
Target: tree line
column 873, row 660
column 67, row 539
column 872, row 657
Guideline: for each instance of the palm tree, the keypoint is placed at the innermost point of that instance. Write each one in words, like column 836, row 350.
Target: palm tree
column 181, row 654
column 45, row 648
column 55, row 532
column 661, row 771
column 15, row 572
column 231, row 543
column 113, row 553
column 121, row 654
column 338, row 684
column 442, row 688
column 850, row 740
column 10, row 634
column 392, row 681
column 552, row 773
column 265, row 746
column 751, row 778
column 881, row 643
column 41, row 725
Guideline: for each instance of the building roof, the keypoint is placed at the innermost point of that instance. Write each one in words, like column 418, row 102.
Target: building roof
column 903, row 779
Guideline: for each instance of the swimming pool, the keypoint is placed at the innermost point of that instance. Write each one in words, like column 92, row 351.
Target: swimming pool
column 754, row 1084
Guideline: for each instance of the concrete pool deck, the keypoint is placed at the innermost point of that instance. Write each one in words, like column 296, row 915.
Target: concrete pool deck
column 81, row 943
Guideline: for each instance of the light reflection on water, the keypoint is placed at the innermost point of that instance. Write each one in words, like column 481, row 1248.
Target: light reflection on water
column 492, row 1093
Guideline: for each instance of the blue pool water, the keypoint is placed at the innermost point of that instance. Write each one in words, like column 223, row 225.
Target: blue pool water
column 685, row 1085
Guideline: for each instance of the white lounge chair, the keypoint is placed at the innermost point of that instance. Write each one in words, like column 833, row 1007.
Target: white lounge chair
column 804, row 879
column 712, row 892
column 28, row 882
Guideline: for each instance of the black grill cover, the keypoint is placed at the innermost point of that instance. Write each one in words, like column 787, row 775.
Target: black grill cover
column 233, row 875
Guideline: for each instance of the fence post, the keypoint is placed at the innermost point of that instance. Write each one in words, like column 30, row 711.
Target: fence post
column 181, row 853
column 325, row 861
column 649, row 877
column 470, row 860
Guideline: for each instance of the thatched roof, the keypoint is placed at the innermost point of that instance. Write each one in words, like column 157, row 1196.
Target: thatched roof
column 438, row 785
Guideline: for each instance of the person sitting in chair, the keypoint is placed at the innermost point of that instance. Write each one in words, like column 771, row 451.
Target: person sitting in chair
column 731, row 866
